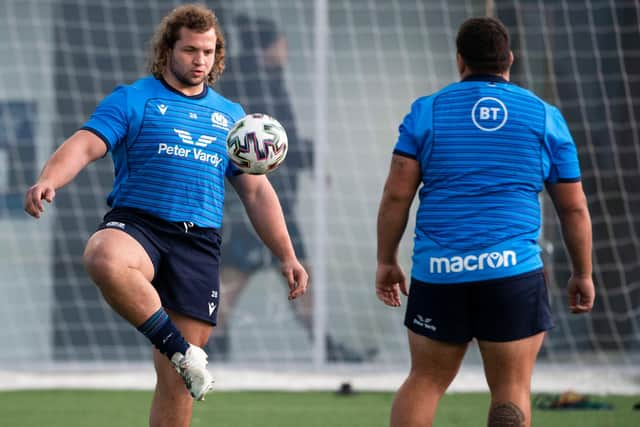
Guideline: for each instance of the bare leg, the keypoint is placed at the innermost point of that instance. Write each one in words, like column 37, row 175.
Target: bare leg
column 508, row 367
column 122, row 270
column 172, row 404
column 434, row 364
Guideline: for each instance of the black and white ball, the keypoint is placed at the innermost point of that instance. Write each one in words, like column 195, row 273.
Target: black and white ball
column 257, row 144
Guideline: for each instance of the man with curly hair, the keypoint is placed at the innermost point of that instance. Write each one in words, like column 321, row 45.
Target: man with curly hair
column 155, row 257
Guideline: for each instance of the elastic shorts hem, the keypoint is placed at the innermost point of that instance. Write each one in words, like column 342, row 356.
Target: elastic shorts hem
column 192, row 314
column 517, row 337
column 436, row 337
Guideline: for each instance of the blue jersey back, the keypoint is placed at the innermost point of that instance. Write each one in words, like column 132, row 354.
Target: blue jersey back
column 485, row 148
column 168, row 149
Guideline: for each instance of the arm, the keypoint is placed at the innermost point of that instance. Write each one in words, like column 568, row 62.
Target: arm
column 399, row 191
column 571, row 206
column 264, row 211
column 82, row 148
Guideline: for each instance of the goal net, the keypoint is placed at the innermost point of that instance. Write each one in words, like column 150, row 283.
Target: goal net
column 351, row 71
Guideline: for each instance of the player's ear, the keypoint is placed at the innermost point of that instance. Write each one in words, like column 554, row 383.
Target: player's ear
column 510, row 58
column 461, row 65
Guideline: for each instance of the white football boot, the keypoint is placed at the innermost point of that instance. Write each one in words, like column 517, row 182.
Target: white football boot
column 192, row 367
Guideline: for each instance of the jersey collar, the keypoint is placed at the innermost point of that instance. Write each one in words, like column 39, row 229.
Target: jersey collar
column 197, row 96
column 485, row 78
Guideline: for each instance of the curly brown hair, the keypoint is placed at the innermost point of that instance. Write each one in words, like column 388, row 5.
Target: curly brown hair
column 195, row 17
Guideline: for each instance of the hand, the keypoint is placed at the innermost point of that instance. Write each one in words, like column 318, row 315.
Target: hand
column 34, row 197
column 390, row 281
column 297, row 278
column 582, row 293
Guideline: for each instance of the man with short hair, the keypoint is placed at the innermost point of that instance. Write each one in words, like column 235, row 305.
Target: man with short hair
column 155, row 257
column 482, row 149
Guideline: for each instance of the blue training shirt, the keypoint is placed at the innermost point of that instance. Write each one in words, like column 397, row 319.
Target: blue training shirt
column 168, row 149
column 485, row 148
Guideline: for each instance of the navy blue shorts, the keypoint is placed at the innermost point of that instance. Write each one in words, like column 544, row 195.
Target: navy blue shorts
column 505, row 309
column 185, row 260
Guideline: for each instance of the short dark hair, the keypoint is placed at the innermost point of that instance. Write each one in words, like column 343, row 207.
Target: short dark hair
column 483, row 44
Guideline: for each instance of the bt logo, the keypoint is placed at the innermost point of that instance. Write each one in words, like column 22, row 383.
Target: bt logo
column 489, row 114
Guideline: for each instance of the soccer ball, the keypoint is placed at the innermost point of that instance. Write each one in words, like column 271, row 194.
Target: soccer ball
column 257, row 144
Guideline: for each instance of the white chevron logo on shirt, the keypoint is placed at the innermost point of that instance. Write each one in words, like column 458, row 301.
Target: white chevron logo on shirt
column 162, row 108
column 186, row 137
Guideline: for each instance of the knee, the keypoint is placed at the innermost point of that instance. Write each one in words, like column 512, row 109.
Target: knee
column 428, row 384
column 510, row 391
column 99, row 264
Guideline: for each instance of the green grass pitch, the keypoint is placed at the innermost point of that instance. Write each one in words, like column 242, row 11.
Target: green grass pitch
column 71, row 408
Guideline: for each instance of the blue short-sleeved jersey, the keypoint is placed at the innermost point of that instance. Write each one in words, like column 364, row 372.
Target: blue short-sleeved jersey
column 168, row 149
column 485, row 147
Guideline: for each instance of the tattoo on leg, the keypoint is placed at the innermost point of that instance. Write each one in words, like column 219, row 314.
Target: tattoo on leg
column 506, row 415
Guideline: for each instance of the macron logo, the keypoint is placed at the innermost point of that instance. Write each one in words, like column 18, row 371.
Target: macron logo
column 457, row 264
column 212, row 308
column 162, row 108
